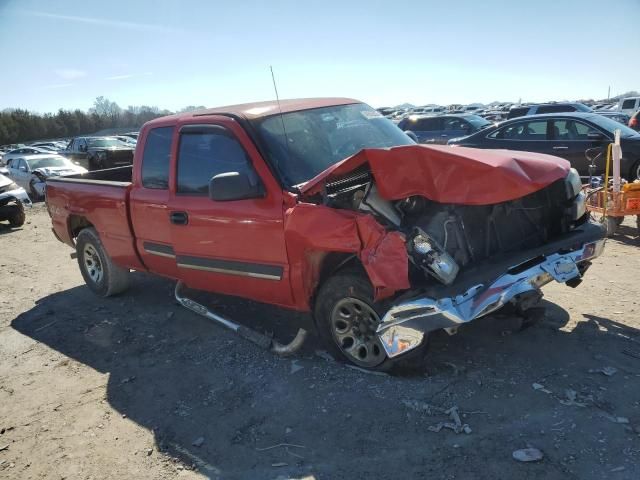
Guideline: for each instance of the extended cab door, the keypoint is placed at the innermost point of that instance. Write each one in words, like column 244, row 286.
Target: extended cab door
column 149, row 200
column 234, row 247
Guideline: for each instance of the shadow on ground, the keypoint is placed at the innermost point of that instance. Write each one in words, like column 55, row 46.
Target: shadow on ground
column 184, row 378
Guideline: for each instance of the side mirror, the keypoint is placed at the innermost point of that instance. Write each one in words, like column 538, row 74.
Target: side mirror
column 412, row 135
column 229, row 186
column 595, row 136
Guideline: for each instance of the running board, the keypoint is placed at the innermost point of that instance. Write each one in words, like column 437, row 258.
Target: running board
column 258, row 338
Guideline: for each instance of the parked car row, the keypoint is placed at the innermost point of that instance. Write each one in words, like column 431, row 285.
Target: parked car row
column 566, row 135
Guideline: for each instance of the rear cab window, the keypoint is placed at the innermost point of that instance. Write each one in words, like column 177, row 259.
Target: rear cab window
column 156, row 157
column 207, row 151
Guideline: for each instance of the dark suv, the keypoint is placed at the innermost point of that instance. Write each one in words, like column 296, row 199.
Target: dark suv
column 546, row 108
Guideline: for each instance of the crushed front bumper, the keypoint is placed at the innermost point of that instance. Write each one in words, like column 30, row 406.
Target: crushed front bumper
column 18, row 194
column 404, row 326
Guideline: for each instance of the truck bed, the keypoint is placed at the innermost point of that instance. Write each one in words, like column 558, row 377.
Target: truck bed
column 99, row 199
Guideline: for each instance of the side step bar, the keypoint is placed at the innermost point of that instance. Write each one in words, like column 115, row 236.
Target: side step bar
column 258, row 338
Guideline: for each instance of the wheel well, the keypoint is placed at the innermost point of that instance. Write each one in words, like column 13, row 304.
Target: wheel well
column 329, row 264
column 76, row 224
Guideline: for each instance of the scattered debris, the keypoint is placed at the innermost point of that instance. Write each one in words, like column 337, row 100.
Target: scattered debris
column 198, row 442
column 127, row 380
column 617, row 469
column 422, row 407
column 169, row 315
column 608, row 371
column 295, row 367
column 614, row 419
column 6, row 447
column 280, row 464
column 540, row 387
column 570, row 401
column 527, row 455
column 279, row 445
column 457, row 426
column 149, row 451
column 370, row 372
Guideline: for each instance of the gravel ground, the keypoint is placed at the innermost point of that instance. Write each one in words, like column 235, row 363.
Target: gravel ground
column 137, row 387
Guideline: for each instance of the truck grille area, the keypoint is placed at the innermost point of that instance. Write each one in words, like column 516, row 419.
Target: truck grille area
column 472, row 233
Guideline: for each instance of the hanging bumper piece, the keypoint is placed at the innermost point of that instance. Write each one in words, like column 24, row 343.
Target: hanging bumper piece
column 264, row 341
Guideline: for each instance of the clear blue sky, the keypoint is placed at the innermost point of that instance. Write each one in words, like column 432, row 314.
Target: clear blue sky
column 175, row 53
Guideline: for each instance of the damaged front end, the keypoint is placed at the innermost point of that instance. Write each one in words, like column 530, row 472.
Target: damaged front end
column 473, row 243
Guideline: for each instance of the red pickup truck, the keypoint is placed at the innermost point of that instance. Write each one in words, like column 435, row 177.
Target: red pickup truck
column 323, row 205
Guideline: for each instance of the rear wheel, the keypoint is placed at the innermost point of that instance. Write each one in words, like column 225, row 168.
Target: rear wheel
column 347, row 319
column 101, row 275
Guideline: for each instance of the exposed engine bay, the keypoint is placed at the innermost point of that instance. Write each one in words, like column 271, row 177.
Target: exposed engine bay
column 442, row 239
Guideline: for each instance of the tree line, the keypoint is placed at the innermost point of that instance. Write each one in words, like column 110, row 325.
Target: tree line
column 21, row 126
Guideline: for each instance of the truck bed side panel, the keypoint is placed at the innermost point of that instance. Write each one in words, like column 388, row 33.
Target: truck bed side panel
column 103, row 205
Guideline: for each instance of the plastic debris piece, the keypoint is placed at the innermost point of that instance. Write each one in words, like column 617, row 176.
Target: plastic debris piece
column 528, row 455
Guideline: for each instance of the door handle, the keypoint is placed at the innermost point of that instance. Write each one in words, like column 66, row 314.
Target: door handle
column 179, row 218
column 560, row 148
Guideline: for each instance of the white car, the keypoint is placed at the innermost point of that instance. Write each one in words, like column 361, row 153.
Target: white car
column 12, row 201
column 629, row 105
column 31, row 171
column 21, row 152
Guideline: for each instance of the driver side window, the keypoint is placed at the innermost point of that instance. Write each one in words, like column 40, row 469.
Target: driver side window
column 206, row 153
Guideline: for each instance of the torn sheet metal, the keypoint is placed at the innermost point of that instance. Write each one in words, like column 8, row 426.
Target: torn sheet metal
column 312, row 231
column 465, row 176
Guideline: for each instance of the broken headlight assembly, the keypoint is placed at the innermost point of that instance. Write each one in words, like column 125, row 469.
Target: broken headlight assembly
column 427, row 254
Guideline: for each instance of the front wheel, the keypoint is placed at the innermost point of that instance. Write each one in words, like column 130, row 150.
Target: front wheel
column 17, row 216
column 347, row 319
column 101, row 275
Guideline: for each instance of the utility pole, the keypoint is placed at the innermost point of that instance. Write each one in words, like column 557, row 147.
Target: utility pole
column 609, row 93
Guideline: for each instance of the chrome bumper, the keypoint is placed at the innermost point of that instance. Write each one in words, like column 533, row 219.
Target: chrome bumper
column 405, row 324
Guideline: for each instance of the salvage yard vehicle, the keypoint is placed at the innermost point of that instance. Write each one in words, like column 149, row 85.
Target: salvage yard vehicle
column 325, row 206
column 12, row 201
column 96, row 153
column 442, row 128
column 567, row 135
column 31, row 171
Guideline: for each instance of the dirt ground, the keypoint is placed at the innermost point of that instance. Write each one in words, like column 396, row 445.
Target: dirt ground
column 137, row 387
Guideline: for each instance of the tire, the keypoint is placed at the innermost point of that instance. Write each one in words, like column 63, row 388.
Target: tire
column 346, row 318
column 101, row 275
column 17, row 216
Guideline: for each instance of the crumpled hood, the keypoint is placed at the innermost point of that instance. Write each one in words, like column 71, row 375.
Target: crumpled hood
column 444, row 174
column 59, row 171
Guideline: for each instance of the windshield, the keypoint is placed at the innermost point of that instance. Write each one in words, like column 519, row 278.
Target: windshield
column 48, row 162
column 610, row 125
column 105, row 142
column 321, row 137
